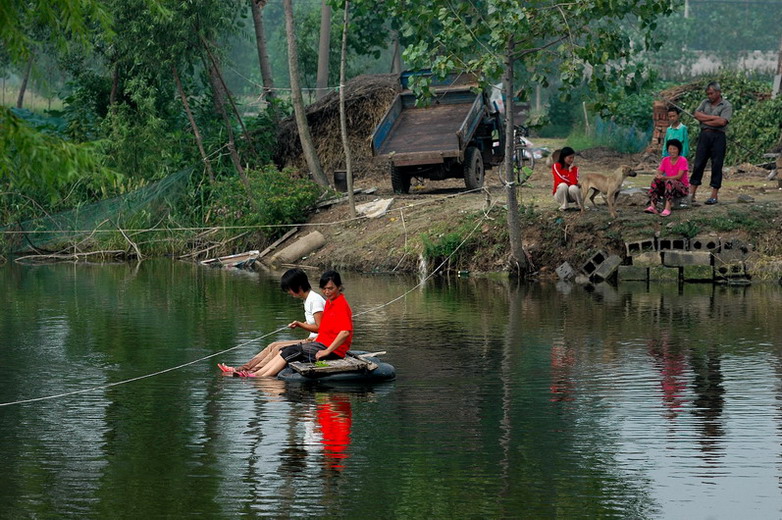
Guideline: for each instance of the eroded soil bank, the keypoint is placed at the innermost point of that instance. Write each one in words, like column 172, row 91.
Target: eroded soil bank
column 439, row 222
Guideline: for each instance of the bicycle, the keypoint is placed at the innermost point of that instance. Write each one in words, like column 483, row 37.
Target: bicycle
column 523, row 157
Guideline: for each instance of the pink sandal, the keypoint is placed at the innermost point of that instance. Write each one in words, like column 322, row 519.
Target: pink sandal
column 665, row 213
column 651, row 209
column 225, row 368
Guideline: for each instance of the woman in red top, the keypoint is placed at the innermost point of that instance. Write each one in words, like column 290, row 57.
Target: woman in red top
column 334, row 334
column 566, row 188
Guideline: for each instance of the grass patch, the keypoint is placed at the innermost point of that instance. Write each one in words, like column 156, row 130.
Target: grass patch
column 753, row 220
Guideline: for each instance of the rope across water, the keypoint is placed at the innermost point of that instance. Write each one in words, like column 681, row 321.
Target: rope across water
column 221, row 352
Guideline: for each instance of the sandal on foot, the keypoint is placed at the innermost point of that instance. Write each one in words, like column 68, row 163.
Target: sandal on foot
column 711, row 201
column 665, row 213
column 651, row 209
column 225, row 368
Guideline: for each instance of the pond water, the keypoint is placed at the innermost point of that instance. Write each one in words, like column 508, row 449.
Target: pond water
column 538, row 401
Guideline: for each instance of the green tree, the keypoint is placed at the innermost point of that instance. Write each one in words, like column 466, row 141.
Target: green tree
column 520, row 41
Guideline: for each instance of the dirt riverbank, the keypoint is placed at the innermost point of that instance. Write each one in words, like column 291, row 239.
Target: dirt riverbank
column 438, row 221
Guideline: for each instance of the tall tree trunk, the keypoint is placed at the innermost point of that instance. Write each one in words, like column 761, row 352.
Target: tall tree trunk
column 25, row 78
column 193, row 125
column 396, row 57
column 263, row 55
column 517, row 259
column 227, row 93
column 313, row 163
column 114, row 85
column 343, row 120
column 778, row 77
column 219, row 101
column 324, row 48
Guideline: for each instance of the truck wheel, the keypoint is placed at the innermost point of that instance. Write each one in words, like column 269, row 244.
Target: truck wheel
column 400, row 180
column 473, row 168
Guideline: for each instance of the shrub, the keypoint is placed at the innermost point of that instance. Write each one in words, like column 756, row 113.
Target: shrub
column 274, row 198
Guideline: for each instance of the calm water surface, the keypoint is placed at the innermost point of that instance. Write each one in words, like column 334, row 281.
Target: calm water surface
column 534, row 402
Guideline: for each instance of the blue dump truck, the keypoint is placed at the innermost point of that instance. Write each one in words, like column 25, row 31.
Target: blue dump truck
column 457, row 135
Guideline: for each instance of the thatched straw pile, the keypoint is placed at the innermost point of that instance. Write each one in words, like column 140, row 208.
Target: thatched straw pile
column 367, row 98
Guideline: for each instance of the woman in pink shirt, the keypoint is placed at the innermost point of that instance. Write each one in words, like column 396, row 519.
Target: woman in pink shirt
column 671, row 181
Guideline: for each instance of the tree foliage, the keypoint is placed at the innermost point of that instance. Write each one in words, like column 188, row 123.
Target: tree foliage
column 581, row 41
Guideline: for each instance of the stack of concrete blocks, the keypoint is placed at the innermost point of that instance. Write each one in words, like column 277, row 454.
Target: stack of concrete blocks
column 699, row 259
column 643, row 257
column 601, row 267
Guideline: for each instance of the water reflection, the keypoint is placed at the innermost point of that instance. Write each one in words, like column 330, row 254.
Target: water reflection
column 334, row 421
column 650, row 401
column 708, row 402
column 670, row 362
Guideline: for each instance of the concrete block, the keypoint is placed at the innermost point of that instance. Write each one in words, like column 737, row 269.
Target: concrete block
column 736, row 243
column 705, row 243
column 633, row 273
column 640, row 246
column 730, row 256
column 661, row 273
column 593, row 263
column 733, row 250
column 733, row 270
column 671, row 244
column 565, row 271
column 607, row 269
column 682, row 258
column 647, row 259
column 698, row 273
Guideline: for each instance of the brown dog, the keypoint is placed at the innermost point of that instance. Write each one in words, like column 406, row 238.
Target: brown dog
column 608, row 184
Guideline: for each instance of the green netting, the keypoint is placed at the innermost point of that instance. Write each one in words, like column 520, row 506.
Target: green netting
column 142, row 207
column 625, row 139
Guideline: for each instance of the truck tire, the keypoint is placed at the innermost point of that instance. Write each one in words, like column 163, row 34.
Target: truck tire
column 473, row 168
column 400, row 180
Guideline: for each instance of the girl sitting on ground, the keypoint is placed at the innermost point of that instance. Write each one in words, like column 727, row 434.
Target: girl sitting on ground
column 671, row 181
column 566, row 188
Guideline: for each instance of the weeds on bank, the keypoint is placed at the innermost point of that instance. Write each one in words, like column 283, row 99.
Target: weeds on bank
column 463, row 244
column 753, row 220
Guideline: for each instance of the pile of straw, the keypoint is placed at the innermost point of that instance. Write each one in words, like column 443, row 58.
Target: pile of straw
column 367, row 99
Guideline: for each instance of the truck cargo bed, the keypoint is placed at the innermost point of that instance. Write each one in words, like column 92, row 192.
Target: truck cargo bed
column 426, row 135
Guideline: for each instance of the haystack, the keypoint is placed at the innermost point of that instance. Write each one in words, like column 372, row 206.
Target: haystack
column 367, row 98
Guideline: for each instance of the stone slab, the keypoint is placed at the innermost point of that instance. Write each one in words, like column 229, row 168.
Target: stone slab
column 648, row 259
column 661, row 273
column 634, row 273
column 698, row 273
column 682, row 258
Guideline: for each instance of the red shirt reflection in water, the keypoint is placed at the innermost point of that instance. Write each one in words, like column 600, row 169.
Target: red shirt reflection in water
column 334, row 420
column 562, row 385
column 671, row 366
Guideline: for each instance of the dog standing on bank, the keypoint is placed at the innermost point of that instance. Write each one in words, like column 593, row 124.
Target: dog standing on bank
column 607, row 184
